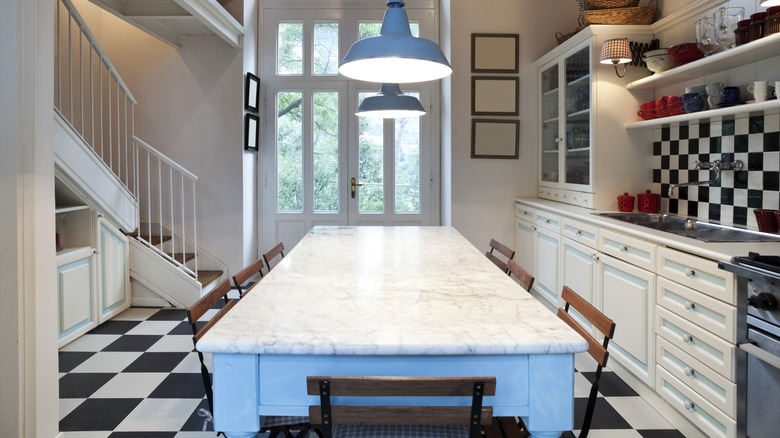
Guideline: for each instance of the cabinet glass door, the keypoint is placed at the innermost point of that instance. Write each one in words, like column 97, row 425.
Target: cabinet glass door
column 550, row 122
column 577, row 118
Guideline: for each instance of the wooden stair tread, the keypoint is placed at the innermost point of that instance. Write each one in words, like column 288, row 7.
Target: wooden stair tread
column 182, row 257
column 154, row 240
column 205, row 276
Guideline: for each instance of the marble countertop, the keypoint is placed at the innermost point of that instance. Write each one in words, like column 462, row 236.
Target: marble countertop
column 719, row 251
column 389, row 291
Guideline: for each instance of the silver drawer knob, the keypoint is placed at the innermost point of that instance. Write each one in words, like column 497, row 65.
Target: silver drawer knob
column 623, row 248
column 688, row 371
column 594, row 257
column 688, row 339
column 689, row 405
column 690, row 273
column 690, row 306
column 578, row 232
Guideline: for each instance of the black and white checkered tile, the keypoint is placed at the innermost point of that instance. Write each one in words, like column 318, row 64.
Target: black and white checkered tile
column 138, row 376
column 754, row 140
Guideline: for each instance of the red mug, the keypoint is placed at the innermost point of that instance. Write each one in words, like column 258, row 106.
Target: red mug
column 647, row 114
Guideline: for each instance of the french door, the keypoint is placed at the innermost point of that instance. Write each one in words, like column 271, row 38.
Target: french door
column 321, row 164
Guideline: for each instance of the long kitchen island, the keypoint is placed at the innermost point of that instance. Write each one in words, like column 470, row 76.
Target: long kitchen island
column 389, row 301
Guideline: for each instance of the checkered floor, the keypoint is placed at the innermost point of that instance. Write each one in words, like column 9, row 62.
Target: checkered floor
column 137, row 376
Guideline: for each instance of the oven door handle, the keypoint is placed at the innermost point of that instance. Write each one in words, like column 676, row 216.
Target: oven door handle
column 749, row 346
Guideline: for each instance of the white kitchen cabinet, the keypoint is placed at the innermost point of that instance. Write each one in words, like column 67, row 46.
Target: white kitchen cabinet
column 585, row 157
column 627, row 296
column 114, row 269
column 579, row 269
column 75, row 283
column 525, row 239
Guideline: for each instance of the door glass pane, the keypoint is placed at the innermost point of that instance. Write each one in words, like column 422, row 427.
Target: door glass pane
column 550, row 123
column 369, row 29
column 326, row 49
column 289, row 150
column 407, row 163
column 326, row 151
column 289, row 54
column 370, row 161
column 577, row 158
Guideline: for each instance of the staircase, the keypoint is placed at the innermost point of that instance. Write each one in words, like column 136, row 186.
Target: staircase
column 145, row 193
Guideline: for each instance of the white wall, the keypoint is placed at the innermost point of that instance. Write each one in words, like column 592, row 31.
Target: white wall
column 483, row 189
column 190, row 107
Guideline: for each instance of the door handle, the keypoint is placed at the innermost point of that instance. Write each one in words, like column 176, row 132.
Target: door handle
column 354, row 185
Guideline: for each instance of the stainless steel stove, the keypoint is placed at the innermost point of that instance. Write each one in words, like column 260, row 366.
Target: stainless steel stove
column 758, row 336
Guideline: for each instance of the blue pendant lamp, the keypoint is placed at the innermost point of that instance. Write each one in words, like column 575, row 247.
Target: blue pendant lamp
column 390, row 103
column 395, row 56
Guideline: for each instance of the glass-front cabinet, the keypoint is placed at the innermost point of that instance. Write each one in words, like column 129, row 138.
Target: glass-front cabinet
column 582, row 109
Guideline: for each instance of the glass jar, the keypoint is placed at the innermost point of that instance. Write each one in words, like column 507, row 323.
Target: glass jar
column 756, row 27
column 742, row 32
column 772, row 23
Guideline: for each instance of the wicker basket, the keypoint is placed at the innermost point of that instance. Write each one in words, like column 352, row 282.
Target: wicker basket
column 621, row 16
column 591, row 5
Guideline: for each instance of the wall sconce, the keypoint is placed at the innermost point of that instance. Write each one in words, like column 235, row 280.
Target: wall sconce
column 768, row 3
column 616, row 51
column 390, row 103
column 395, row 56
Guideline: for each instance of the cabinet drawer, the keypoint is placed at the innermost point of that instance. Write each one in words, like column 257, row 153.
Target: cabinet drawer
column 716, row 389
column 637, row 252
column 550, row 193
column 702, row 310
column 698, row 273
column 525, row 212
column 712, row 421
column 696, row 341
column 580, row 232
column 586, row 200
column 548, row 221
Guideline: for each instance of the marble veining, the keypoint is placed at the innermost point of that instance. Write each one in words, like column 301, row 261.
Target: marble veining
column 389, row 291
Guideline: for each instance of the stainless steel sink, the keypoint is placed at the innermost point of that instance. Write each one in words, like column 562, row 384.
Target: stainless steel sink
column 693, row 228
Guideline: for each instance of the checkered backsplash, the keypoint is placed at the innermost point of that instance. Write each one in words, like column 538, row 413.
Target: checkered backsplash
column 754, row 140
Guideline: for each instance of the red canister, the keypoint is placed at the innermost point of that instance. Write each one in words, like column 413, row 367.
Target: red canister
column 625, row 202
column 756, row 26
column 649, row 202
column 742, row 32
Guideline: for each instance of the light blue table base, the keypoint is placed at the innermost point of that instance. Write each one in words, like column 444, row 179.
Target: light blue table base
column 538, row 388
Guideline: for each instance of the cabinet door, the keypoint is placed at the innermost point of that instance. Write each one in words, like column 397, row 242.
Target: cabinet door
column 548, row 245
column 579, row 269
column 525, row 247
column 627, row 295
column 114, row 288
column 576, row 119
column 74, row 287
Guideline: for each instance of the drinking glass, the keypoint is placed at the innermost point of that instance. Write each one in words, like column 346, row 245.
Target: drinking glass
column 706, row 39
column 726, row 20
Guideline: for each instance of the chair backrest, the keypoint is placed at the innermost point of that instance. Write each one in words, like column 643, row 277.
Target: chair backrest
column 508, row 252
column 278, row 250
column 525, row 277
column 245, row 274
column 474, row 387
column 195, row 312
column 597, row 350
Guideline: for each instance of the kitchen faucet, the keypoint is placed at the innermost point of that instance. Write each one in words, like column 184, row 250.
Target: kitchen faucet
column 716, row 166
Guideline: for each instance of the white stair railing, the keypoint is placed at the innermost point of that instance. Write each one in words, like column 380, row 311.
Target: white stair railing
column 91, row 96
column 167, row 207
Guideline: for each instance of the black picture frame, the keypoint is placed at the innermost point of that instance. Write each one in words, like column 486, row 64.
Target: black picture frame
column 495, row 53
column 251, row 92
column 495, row 95
column 251, row 132
column 492, row 138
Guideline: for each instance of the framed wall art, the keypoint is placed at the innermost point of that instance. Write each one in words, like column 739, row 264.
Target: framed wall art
column 494, row 53
column 494, row 95
column 495, row 138
column 251, row 92
column 251, row 132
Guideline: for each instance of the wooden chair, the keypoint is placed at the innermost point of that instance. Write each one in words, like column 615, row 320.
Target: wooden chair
column 245, row 274
column 525, row 278
column 596, row 349
column 278, row 250
column 508, row 252
column 274, row 425
column 352, row 421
